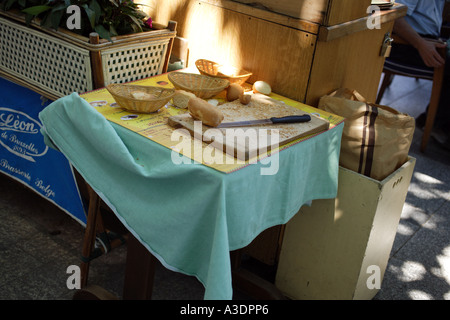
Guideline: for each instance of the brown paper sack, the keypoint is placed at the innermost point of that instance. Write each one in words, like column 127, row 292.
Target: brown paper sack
column 376, row 139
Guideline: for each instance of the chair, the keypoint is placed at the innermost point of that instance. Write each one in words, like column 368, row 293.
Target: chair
column 180, row 54
column 437, row 76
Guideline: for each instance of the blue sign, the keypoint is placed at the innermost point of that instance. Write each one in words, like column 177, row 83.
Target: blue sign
column 25, row 157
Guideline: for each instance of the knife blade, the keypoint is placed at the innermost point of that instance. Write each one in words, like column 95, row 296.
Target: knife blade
column 273, row 120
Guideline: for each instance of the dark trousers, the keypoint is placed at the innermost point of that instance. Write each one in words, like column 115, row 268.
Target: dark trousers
column 409, row 55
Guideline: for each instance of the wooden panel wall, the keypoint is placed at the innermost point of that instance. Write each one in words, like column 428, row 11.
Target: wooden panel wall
column 353, row 61
column 324, row 12
column 275, row 53
column 340, row 11
column 311, row 10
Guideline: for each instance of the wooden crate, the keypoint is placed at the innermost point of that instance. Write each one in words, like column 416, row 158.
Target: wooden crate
column 57, row 63
column 328, row 248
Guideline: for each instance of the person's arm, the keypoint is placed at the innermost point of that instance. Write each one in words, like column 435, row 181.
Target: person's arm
column 426, row 47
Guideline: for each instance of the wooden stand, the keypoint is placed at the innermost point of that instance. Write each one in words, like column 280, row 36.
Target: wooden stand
column 301, row 57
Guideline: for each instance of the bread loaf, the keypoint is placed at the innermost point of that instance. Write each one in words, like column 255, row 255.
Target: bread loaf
column 140, row 95
column 205, row 112
column 245, row 98
column 181, row 98
column 234, row 91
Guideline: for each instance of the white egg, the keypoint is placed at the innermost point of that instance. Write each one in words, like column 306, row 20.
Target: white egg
column 262, row 87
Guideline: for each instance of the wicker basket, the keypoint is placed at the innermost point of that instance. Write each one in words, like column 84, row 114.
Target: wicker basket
column 202, row 86
column 126, row 95
column 57, row 63
column 213, row 69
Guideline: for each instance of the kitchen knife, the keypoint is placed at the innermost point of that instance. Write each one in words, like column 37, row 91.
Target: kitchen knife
column 273, row 120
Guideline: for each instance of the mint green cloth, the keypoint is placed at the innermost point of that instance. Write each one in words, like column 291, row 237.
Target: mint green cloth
column 189, row 216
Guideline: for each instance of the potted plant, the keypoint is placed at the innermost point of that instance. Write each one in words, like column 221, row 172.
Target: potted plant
column 56, row 47
column 108, row 18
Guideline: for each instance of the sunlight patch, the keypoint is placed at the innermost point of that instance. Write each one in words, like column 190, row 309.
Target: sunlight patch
column 424, row 178
column 412, row 271
column 444, row 261
column 419, row 295
column 404, row 230
column 421, row 192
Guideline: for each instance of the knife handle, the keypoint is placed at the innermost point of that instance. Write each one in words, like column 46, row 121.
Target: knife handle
column 291, row 119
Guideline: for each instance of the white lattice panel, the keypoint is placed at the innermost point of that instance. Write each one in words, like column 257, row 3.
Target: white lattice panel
column 42, row 60
column 134, row 62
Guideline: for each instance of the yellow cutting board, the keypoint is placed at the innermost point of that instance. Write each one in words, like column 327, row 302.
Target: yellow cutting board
column 245, row 143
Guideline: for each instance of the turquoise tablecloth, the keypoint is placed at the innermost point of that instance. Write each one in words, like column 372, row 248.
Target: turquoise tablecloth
column 189, row 216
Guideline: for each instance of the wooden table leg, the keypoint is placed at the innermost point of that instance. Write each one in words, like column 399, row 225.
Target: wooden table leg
column 250, row 283
column 139, row 276
column 89, row 234
column 139, row 273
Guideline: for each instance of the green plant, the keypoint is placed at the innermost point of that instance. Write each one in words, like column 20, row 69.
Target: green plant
column 108, row 18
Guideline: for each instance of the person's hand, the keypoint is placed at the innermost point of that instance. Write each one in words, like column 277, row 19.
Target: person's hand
column 429, row 54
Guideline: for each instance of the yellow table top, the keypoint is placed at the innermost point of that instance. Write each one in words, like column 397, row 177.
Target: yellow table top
column 154, row 125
